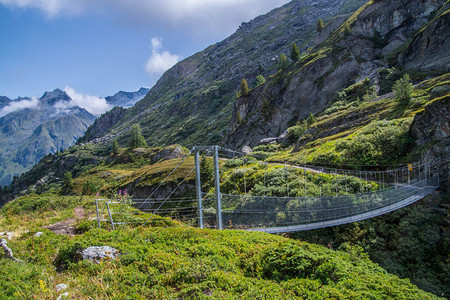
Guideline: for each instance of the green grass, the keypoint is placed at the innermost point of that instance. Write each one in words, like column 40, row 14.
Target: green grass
column 187, row 263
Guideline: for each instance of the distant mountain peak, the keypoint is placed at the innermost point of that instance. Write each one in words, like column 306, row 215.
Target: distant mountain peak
column 127, row 99
column 4, row 101
column 56, row 95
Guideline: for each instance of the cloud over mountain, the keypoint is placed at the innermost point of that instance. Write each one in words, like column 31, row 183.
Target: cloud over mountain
column 93, row 104
column 19, row 105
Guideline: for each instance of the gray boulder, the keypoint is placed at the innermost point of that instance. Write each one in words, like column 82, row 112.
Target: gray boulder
column 97, row 254
column 60, row 287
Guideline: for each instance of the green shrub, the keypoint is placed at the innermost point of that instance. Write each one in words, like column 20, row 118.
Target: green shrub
column 403, row 90
column 382, row 142
column 294, row 133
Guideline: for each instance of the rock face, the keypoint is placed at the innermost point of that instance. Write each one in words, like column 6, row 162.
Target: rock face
column 430, row 47
column 341, row 60
column 4, row 101
column 431, row 129
column 168, row 153
column 103, row 124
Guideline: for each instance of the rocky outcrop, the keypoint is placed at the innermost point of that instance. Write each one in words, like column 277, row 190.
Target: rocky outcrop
column 8, row 251
column 168, row 153
column 341, row 60
column 103, row 124
column 429, row 49
column 431, row 129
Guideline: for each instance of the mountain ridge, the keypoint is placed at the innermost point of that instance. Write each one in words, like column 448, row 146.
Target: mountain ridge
column 192, row 102
column 43, row 126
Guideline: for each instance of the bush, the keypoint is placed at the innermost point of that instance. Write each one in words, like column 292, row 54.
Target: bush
column 382, row 142
column 295, row 132
column 403, row 90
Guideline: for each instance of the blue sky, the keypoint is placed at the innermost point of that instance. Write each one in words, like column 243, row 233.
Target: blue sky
column 98, row 47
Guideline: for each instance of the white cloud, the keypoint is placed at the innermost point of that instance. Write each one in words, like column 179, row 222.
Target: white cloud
column 19, row 105
column 160, row 61
column 198, row 18
column 50, row 7
column 93, row 104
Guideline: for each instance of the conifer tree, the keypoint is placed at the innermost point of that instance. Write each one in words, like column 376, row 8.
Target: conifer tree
column 319, row 25
column 136, row 138
column 67, row 183
column 347, row 30
column 115, row 147
column 244, row 88
column 260, row 79
column 311, row 119
column 283, row 62
column 295, row 53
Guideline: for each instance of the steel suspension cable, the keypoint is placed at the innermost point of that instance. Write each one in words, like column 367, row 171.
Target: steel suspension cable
column 207, row 152
column 166, row 178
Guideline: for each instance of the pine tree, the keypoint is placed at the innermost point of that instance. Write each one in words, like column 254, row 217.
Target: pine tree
column 244, row 88
column 136, row 138
column 295, row 53
column 260, row 79
column 311, row 119
column 347, row 30
column 115, row 147
column 319, row 25
column 67, row 183
column 283, row 62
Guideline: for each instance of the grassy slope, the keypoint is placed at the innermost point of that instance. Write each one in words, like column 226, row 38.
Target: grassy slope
column 183, row 262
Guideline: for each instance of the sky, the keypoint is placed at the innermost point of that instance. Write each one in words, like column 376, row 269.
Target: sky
column 95, row 48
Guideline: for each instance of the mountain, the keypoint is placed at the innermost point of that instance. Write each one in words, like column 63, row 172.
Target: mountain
column 33, row 128
column 4, row 101
column 193, row 101
column 44, row 126
column 126, row 99
column 382, row 37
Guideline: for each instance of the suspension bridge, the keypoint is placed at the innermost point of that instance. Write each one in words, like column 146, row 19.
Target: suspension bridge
column 273, row 197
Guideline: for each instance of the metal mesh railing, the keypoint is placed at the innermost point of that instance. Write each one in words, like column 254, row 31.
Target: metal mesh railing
column 396, row 188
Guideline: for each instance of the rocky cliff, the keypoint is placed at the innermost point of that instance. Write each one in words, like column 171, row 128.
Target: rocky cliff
column 431, row 129
column 103, row 124
column 379, row 35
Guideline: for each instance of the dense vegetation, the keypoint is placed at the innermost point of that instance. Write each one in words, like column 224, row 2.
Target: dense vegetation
column 182, row 262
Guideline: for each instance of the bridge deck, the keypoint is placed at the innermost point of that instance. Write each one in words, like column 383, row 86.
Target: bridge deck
column 421, row 193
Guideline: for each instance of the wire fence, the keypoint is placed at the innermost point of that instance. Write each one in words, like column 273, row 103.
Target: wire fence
column 394, row 188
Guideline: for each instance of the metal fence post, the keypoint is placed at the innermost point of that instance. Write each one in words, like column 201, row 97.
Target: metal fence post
column 218, row 194
column 110, row 216
column 199, row 188
column 96, row 209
